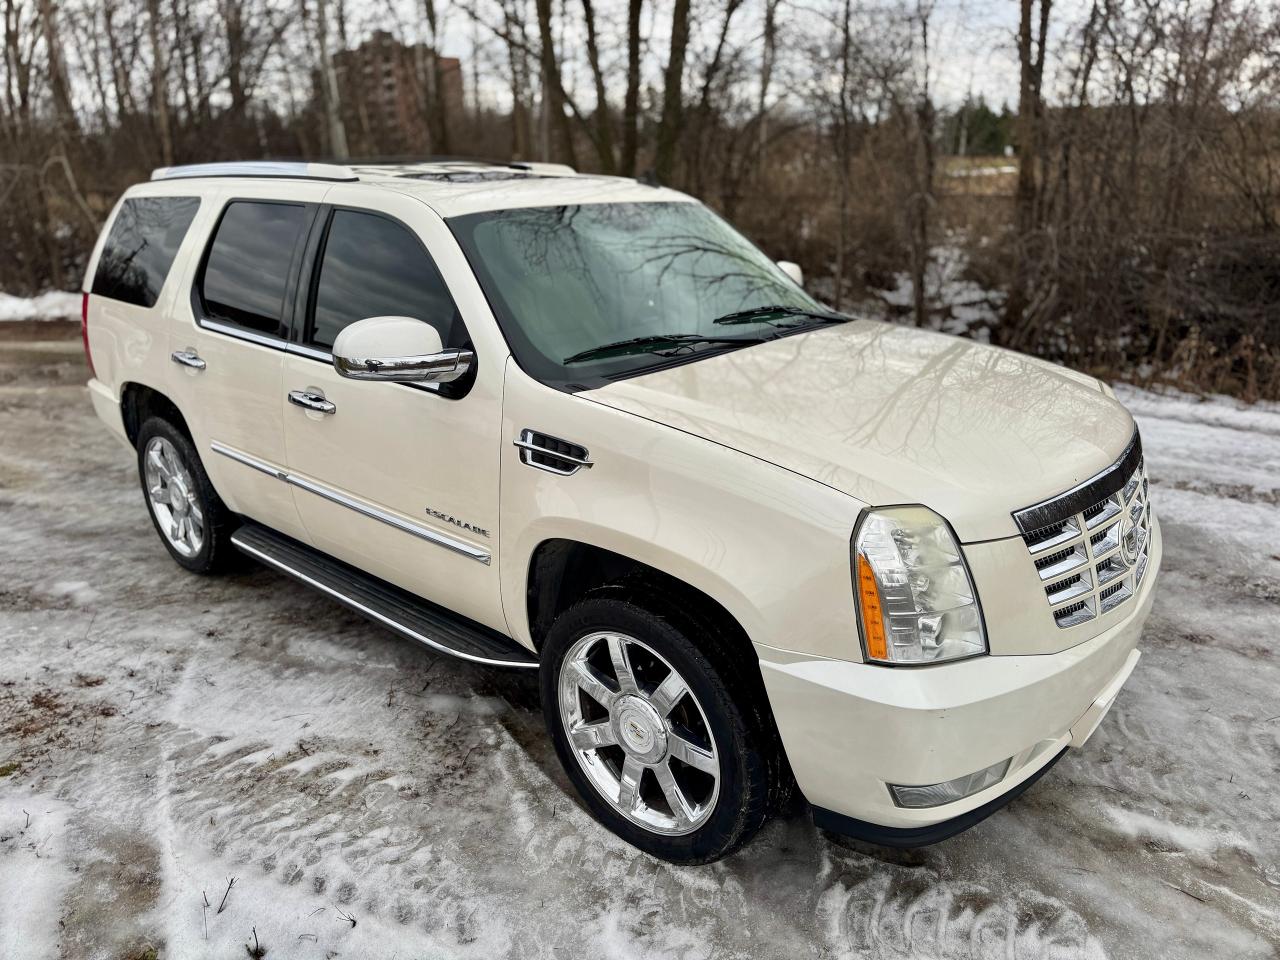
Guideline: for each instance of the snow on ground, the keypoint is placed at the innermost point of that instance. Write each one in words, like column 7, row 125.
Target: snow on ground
column 956, row 304
column 162, row 734
column 54, row 305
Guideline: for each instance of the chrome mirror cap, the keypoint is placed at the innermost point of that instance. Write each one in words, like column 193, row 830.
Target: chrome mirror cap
column 397, row 349
column 443, row 367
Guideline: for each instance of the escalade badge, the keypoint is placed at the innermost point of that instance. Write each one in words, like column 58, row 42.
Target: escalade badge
column 1128, row 542
column 460, row 524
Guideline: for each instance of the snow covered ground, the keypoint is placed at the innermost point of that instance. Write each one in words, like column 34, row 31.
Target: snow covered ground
column 162, row 734
column 54, row 305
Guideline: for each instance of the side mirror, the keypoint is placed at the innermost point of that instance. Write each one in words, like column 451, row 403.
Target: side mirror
column 793, row 271
column 397, row 349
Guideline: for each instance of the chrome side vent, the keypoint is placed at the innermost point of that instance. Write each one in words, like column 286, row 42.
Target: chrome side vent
column 551, row 453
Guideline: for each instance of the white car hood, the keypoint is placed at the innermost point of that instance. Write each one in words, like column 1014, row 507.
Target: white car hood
column 892, row 414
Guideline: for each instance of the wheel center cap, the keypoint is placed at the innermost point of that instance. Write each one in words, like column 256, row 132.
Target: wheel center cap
column 178, row 502
column 639, row 729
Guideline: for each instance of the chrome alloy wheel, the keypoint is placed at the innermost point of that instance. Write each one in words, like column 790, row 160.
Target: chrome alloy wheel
column 639, row 733
column 171, row 491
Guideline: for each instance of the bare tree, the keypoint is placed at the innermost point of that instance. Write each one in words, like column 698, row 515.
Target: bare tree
column 631, row 104
column 671, row 123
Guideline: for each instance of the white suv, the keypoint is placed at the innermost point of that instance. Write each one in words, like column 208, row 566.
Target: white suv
column 579, row 424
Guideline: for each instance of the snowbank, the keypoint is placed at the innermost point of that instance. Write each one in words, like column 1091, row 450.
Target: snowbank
column 54, row 305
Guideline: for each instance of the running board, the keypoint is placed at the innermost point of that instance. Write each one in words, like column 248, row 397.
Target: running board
column 382, row 602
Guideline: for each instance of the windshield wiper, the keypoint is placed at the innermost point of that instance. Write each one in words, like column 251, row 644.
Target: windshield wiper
column 769, row 313
column 653, row 344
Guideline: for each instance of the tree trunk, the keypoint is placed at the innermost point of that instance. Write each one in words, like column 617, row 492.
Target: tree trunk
column 704, row 112
column 922, row 214
column 437, row 111
column 766, row 78
column 842, row 156
column 631, row 106
column 159, row 83
column 672, row 120
column 332, row 105
column 1028, row 129
column 58, row 83
column 603, row 120
column 555, row 121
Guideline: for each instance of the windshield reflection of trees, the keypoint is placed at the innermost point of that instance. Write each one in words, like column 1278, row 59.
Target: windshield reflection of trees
column 626, row 257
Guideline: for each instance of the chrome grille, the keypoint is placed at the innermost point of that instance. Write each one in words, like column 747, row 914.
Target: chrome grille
column 1092, row 561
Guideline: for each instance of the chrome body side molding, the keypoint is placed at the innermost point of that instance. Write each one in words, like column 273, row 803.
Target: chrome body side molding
column 455, row 544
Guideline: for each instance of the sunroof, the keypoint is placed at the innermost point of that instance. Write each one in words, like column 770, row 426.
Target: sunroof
column 466, row 176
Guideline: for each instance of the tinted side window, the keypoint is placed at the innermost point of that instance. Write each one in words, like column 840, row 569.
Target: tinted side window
column 141, row 246
column 247, row 270
column 373, row 267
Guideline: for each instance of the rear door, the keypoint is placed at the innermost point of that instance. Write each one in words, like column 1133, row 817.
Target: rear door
column 230, row 341
column 399, row 480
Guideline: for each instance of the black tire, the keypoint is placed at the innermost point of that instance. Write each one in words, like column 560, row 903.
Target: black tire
column 216, row 553
column 750, row 761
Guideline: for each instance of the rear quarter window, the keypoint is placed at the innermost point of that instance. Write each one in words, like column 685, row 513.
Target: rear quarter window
column 140, row 248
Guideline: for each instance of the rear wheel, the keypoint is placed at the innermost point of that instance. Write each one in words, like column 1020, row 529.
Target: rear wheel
column 193, row 523
column 649, row 733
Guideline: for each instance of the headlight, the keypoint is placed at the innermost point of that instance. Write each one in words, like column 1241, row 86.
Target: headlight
column 916, row 601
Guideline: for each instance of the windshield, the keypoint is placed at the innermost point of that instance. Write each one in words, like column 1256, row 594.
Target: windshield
column 586, row 294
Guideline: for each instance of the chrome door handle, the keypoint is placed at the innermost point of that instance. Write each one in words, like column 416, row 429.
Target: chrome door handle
column 311, row 401
column 187, row 358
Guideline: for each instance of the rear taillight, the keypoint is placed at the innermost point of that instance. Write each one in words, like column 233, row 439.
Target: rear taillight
column 84, row 332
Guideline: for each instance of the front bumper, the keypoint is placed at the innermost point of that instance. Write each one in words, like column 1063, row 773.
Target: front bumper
column 850, row 729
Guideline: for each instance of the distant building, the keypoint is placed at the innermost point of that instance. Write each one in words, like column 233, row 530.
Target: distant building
column 383, row 86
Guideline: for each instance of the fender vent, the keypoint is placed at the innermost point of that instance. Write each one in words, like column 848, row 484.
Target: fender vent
column 552, row 454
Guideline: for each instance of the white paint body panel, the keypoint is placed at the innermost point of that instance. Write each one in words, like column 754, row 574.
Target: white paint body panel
column 742, row 475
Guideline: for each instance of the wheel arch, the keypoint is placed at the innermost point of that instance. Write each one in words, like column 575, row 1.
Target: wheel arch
column 562, row 570
column 138, row 402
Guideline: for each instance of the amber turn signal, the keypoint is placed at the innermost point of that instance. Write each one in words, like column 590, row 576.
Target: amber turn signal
column 872, row 614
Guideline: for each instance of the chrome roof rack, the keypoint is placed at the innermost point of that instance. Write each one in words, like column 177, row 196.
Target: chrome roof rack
column 258, row 168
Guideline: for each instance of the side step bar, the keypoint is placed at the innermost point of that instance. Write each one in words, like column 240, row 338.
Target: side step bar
column 382, row 602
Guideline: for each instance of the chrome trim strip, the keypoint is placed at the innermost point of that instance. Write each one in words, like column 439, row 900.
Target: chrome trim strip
column 239, row 333
column 391, row 520
column 374, row 513
column 443, row 367
column 302, row 350
column 1083, row 495
column 371, row 613
column 525, row 445
column 249, row 461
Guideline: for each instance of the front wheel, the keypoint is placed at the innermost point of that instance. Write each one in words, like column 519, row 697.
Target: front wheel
column 647, row 727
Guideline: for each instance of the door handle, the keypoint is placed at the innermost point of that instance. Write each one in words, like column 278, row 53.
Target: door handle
column 187, row 358
column 311, row 401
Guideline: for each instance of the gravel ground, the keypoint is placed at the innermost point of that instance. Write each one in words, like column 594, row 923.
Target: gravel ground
column 161, row 734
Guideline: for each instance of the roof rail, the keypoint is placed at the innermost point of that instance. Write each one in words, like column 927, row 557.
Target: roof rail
column 257, row 168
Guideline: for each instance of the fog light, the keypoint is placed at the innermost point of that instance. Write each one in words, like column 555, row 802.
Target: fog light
column 936, row 794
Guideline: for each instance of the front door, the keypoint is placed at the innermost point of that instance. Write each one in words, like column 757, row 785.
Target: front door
column 399, row 480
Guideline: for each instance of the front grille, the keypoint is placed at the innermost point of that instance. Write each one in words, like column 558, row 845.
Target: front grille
column 1093, row 561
